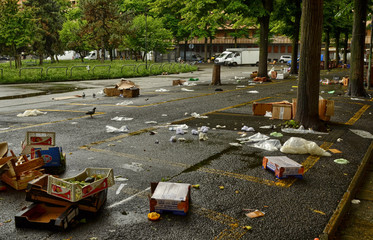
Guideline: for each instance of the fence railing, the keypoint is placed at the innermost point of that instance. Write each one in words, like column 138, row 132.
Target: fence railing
column 46, row 72
column 41, row 70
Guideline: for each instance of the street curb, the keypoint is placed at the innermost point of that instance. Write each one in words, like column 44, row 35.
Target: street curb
column 344, row 204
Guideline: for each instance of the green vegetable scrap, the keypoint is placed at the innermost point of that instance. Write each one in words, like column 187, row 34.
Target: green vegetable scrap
column 193, row 79
column 341, row 161
column 276, row 134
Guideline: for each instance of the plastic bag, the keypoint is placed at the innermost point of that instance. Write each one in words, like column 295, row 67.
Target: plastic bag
column 196, row 115
column 111, row 129
column 173, row 127
column 297, row 145
column 29, row 113
column 254, row 138
column 362, row 133
column 269, row 145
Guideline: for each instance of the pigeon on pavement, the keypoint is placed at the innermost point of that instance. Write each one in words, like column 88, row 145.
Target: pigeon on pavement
column 91, row 112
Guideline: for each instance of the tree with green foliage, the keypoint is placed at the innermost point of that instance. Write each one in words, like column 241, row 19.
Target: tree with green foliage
column 287, row 17
column 169, row 12
column 49, row 22
column 148, row 34
column 17, row 29
column 202, row 18
column 72, row 35
column 102, row 18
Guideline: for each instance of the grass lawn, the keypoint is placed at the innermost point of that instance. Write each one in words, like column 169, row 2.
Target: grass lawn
column 65, row 70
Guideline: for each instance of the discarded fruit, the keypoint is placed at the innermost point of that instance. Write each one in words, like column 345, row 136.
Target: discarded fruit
column 153, row 216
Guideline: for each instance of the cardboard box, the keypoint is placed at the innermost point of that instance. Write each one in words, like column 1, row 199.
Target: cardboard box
column 280, row 76
column 178, row 82
column 73, row 192
column 260, row 109
column 282, row 111
column 326, row 109
column 41, row 215
column 125, row 84
column 283, row 166
column 42, row 140
column 170, row 197
column 131, row 92
column 345, row 81
column 52, row 156
column 37, row 192
column 111, row 92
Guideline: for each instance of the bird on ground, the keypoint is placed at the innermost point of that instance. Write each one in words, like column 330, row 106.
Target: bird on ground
column 94, row 95
column 91, row 112
column 83, row 95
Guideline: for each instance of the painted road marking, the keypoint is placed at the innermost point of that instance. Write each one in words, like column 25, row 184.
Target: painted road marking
column 357, row 115
column 52, row 122
column 129, row 198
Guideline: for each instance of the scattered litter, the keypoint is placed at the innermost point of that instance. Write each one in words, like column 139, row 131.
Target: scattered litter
column 276, row 134
column 255, row 214
column 269, row 145
column 136, row 167
column 240, row 86
column 162, row 90
column 153, row 216
column 150, row 122
column 68, row 97
column 181, row 139
column 317, row 211
column 196, row 115
column 3, row 129
column 73, row 123
column 203, row 129
column 152, row 133
column 355, row 201
column 111, row 129
column 174, row 127
column 362, row 133
column 194, row 132
column 221, row 187
column 219, row 126
column 121, row 179
column 173, row 139
column 339, row 140
column 254, row 138
column 111, row 145
column 247, row 227
column 235, row 144
column 29, row 113
column 118, row 119
column 203, row 136
column 341, row 161
column 357, row 99
column 268, row 127
column 333, row 150
column 164, row 115
column 254, row 91
column 187, row 90
column 283, row 166
column 301, row 130
column 196, row 186
column 218, row 90
column 180, row 131
column 189, row 84
column 239, row 78
column 193, row 79
column 268, row 114
column 296, row 145
column 121, row 186
column 331, row 92
column 125, row 103
column 247, row 129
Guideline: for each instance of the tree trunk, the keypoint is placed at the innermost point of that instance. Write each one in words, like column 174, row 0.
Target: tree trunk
column 235, row 41
column 337, row 39
column 216, row 75
column 185, row 49
column 307, row 112
column 177, row 50
column 345, row 45
column 295, row 39
column 263, row 44
column 356, row 83
column 326, row 54
column 210, row 52
column 205, row 49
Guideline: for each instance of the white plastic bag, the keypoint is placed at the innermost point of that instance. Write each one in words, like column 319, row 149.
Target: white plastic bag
column 111, row 129
column 362, row 133
column 29, row 113
column 297, row 145
column 269, row 145
column 254, row 138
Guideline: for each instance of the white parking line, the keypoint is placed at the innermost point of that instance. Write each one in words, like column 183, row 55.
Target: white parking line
column 127, row 199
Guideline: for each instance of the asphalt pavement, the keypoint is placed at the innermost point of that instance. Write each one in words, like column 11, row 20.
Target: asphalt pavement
column 231, row 178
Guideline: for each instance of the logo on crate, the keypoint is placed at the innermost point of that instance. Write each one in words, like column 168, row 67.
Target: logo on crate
column 47, row 158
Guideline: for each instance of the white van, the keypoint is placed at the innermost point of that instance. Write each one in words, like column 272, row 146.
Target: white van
column 91, row 56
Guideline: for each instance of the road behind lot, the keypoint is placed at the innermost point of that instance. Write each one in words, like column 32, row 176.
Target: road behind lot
column 294, row 208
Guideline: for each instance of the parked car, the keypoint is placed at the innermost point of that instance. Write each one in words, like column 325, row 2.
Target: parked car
column 284, row 58
column 3, row 58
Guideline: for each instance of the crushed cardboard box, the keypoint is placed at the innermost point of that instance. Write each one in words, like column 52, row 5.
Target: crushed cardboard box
column 170, row 197
column 178, row 82
column 283, row 166
column 326, row 108
column 282, row 111
column 124, row 88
